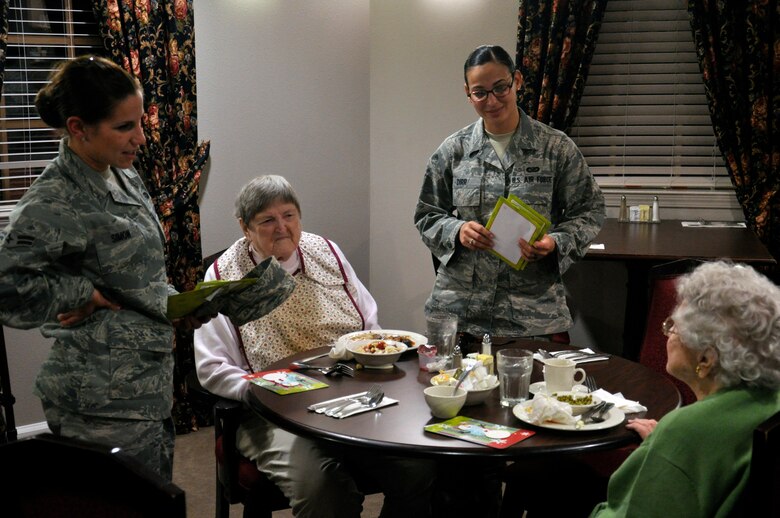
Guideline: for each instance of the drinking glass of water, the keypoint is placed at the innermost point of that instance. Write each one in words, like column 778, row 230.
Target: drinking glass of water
column 514, row 375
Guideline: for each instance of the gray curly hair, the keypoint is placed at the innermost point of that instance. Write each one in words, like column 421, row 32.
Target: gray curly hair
column 736, row 311
column 260, row 193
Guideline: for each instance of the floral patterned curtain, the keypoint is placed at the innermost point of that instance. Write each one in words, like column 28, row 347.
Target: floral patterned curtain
column 738, row 44
column 555, row 43
column 153, row 39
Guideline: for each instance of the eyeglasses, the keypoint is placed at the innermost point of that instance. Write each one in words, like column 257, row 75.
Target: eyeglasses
column 500, row 90
column 667, row 328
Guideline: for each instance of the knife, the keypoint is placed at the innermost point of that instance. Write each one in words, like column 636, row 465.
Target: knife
column 307, row 360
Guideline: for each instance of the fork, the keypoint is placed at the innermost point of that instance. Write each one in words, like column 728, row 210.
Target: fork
column 323, row 370
column 345, row 369
column 600, row 416
column 373, row 402
column 363, row 399
column 590, row 383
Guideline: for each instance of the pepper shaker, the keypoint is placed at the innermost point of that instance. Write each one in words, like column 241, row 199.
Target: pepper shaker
column 457, row 357
column 623, row 215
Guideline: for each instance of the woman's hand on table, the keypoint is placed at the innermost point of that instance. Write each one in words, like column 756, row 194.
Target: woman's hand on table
column 642, row 426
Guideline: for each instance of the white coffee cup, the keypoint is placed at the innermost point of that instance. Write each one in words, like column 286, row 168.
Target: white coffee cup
column 560, row 374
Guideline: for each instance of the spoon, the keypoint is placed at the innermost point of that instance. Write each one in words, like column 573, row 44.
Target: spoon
column 463, row 377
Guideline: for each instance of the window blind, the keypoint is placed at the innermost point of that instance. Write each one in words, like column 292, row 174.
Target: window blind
column 643, row 122
column 41, row 33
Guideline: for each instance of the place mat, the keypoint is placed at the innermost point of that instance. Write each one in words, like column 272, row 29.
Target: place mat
column 284, row 381
column 479, row 432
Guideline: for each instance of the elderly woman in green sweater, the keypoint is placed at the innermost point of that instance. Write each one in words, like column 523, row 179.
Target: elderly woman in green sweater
column 723, row 342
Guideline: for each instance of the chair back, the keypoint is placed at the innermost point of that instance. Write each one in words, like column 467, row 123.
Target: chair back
column 763, row 491
column 52, row 476
column 663, row 298
column 238, row 479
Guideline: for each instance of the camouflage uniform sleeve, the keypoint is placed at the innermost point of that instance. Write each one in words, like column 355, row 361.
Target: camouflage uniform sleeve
column 38, row 267
column 433, row 215
column 578, row 210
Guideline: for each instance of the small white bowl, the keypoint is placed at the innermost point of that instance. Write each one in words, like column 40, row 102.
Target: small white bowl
column 442, row 402
column 572, row 397
column 475, row 397
column 377, row 359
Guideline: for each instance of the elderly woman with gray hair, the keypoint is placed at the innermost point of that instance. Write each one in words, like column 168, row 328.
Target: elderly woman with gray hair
column 328, row 301
column 723, row 342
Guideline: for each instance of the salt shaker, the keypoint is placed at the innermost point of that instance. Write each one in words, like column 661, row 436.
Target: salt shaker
column 656, row 210
column 486, row 353
column 486, row 344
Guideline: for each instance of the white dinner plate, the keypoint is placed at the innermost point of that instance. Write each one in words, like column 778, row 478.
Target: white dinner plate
column 386, row 334
column 614, row 417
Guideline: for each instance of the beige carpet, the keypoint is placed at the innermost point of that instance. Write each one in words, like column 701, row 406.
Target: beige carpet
column 193, row 472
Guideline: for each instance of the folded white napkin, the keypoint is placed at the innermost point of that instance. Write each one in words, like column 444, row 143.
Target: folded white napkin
column 339, row 351
column 543, row 408
column 596, row 358
column 626, row 405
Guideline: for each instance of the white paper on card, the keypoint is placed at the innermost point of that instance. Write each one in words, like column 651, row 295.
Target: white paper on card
column 508, row 227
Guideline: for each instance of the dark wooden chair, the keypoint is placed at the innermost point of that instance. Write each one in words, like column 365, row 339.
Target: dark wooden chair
column 762, row 497
column 238, row 479
column 56, row 477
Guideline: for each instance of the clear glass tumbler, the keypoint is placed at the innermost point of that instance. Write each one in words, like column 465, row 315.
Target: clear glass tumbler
column 442, row 331
column 514, row 375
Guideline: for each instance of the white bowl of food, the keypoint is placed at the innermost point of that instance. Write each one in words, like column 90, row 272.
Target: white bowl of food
column 376, row 354
column 579, row 402
column 478, row 384
column 443, row 402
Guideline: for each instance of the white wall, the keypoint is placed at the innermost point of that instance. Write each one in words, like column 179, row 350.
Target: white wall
column 283, row 89
column 418, row 48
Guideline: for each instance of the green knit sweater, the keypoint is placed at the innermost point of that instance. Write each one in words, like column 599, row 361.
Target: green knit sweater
column 695, row 463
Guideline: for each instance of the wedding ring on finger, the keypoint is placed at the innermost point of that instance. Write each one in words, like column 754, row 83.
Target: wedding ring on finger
column 471, row 242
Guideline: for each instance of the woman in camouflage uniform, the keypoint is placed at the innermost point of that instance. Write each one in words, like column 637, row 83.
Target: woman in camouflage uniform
column 82, row 258
column 505, row 153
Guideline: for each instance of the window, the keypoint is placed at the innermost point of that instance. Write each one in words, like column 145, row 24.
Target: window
column 41, row 33
column 643, row 123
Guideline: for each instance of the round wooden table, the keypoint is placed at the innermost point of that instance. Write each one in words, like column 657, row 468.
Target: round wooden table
column 398, row 429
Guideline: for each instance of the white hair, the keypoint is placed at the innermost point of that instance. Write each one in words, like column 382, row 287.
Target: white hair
column 736, row 311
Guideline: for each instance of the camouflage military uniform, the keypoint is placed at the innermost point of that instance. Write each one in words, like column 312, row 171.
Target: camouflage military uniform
column 73, row 232
column 463, row 181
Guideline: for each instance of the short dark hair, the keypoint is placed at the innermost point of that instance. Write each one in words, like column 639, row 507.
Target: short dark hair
column 88, row 87
column 488, row 54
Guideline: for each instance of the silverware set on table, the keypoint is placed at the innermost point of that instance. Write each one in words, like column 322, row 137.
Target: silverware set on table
column 331, row 370
column 577, row 356
column 350, row 405
column 597, row 414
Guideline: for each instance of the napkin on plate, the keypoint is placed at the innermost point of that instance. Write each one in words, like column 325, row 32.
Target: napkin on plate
column 339, row 351
column 626, row 405
column 543, row 408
